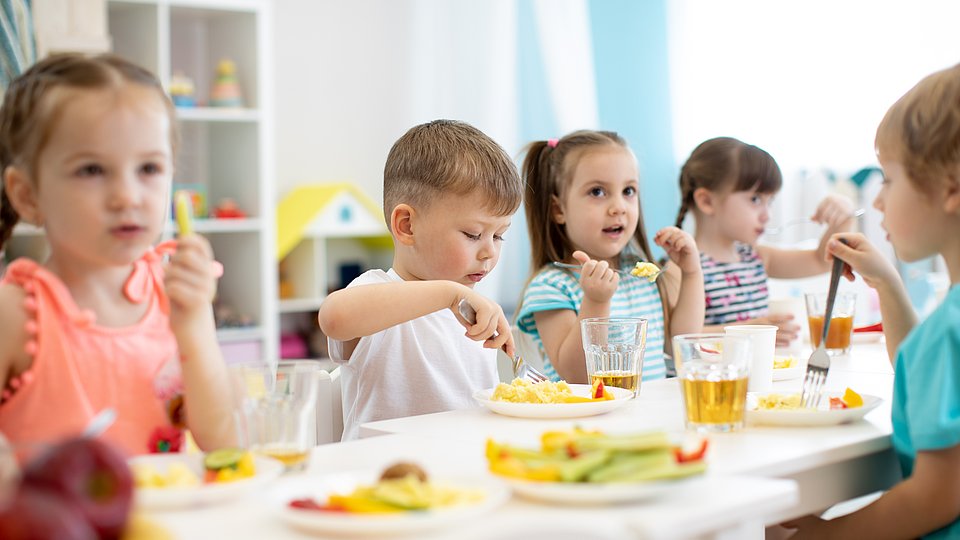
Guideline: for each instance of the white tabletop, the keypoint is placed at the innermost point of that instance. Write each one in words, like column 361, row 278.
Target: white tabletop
column 700, row 507
column 831, row 464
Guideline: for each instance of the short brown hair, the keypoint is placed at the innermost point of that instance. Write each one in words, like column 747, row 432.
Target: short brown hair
column 922, row 129
column 449, row 157
column 30, row 112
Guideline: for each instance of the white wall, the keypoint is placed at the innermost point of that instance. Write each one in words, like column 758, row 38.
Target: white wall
column 354, row 76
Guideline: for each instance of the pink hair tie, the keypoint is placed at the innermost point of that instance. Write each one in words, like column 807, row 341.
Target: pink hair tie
column 552, row 143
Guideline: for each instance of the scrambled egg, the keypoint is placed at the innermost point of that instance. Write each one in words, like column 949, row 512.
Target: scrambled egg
column 783, row 362
column 523, row 391
column 778, row 402
column 176, row 475
column 645, row 269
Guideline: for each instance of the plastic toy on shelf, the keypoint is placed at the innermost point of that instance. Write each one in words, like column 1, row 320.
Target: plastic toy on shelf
column 182, row 90
column 226, row 89
column 228, row 209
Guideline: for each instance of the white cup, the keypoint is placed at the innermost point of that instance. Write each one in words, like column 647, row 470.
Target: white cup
column 797, row 308
column 763, row 341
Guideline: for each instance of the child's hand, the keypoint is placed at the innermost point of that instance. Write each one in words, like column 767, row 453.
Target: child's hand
column 597, row 279
column 680, row 247
column 491, row 326
column 190, row 281
column 863, row 258
column 835, row 212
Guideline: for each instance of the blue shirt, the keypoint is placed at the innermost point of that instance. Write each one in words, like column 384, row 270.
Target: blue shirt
column 926, row 391
column 554, row 288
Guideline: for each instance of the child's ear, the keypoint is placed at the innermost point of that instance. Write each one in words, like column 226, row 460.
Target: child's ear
column 22, row 195
column 556, row 211
column 401, row 223
column 704, row 200
column 951, row 200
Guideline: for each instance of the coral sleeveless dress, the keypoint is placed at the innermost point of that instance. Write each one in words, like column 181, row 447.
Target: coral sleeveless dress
column 80, row 368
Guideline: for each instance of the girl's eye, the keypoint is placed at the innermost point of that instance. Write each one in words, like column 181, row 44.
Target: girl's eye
column 630, row 191
column 471, row 236
column 151, row 169
column 755, row 199
column 597, row 192
column 90, row 170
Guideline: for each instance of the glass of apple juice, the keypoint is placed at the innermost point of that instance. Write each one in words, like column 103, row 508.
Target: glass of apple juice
column 277, row 409
column 713, row 370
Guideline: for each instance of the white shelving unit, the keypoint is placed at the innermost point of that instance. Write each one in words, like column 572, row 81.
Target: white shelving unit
column 227, row 151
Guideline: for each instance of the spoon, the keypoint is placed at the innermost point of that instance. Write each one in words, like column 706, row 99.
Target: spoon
column 777, row 230
column 99, row 423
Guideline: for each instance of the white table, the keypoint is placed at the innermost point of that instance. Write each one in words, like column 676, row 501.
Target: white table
column 830, row 464
column 715, row 506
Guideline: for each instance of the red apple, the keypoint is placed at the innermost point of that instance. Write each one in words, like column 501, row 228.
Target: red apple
column 90, row 476
column 38, row 514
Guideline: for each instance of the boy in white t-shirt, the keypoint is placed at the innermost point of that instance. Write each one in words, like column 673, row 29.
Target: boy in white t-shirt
column 449, row 192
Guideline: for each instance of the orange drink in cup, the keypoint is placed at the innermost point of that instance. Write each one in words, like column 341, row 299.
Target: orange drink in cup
column 841, row 321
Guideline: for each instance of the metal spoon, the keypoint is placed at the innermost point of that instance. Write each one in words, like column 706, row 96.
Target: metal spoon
column 777, row 230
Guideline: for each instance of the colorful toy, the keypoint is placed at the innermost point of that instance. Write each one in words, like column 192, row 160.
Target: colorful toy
column 228, row 209
column 226, row 90
column 181, row 90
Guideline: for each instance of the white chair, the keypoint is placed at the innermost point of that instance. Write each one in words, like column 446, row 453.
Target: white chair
column 329, row 408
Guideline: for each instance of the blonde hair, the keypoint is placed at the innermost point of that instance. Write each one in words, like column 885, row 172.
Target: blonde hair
column 722, row 163
column 30, row 111
column 449, row 157
column 922, row 130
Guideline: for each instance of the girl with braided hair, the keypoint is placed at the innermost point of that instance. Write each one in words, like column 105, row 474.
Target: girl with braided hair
column 728, row 185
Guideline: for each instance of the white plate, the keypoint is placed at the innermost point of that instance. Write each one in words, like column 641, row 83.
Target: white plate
column 576, row 493
column 807, row 417
column 169, row 498
column 555, row 410
column 785, row 374
column 866, row 337
column 340, row 523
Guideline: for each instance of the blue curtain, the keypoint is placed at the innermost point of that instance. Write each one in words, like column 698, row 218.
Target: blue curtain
column 17, row 48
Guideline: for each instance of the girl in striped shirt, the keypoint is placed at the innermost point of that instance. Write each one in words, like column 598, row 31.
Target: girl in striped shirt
column 583, row 207
column 729, row 185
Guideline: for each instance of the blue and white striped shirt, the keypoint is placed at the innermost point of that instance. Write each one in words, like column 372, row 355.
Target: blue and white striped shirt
column 554, row 288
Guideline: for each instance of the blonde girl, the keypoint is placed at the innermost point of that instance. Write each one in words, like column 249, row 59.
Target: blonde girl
column 583, row 207
column 87, row 154
column 728, row 186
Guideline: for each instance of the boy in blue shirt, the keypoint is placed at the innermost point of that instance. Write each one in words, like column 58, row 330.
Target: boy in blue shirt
column 918, row 146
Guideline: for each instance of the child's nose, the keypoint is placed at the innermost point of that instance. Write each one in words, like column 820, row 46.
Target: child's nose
column 487, row 250
column 125, row 191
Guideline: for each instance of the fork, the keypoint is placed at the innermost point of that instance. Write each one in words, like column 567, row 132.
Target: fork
column 818, row 365
column 779, row 229
column 617, row 270
column 521, row 369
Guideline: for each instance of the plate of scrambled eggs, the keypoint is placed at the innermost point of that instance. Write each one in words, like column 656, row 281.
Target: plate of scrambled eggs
column 358, row 504
column 548, row 399
column 783, row 409
column 176, row 480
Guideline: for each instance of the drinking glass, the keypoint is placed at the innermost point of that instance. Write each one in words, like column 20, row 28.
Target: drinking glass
column 841, row 321
column 277, row 409
column 713, row 370
column 613, row 348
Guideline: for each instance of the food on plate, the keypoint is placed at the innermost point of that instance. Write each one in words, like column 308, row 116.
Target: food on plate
column 784, row 362
column 177, row 474
column 228, row 464
column 524, row 391
column 785, row 402
column 849, row 400
column 778, row 402
column 402, row 469
column 79, row 488
column 394, row 494
column 595, row 457
column 645, row 269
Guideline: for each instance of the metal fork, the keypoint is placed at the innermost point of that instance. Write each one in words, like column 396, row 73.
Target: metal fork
column 819, row 363
column 521, row 369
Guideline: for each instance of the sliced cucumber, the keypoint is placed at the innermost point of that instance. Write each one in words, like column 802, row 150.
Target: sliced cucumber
column 222, row 459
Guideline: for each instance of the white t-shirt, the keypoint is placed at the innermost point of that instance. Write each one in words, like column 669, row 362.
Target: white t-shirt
column 422, row 366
